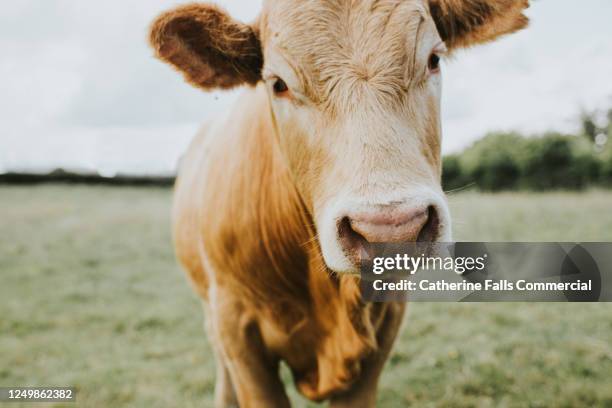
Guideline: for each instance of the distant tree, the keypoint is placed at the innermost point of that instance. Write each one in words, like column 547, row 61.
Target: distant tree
column 453, row 176
column 609, row 126
column 606, row 166
column 589, row 127
column 597, row 134
column 606, row 172
column 492, row 163
column 555, row 161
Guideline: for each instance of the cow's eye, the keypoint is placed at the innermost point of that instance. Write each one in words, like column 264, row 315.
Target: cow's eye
column 434, row 63
column 280, row 87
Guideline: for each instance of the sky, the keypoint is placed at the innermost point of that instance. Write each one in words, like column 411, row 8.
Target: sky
column 80, row 89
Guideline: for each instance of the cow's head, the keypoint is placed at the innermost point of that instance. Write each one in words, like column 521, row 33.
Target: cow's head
column 354, row 90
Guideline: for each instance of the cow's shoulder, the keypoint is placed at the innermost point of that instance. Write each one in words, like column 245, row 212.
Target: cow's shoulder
column 188, row 188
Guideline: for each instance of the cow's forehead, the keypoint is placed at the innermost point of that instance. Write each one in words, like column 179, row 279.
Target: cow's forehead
column 346, row 41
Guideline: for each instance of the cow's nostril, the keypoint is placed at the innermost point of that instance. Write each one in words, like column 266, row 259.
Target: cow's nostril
column 430, row 230
column 355, row 245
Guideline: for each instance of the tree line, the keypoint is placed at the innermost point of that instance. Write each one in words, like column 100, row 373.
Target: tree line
column 512, row 161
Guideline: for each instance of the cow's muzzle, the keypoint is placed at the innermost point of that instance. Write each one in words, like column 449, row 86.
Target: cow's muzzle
column 357, row 231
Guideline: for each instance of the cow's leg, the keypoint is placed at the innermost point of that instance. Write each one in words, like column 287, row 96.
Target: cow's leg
column 225, row 396
column 362, row 393
column 253, row 372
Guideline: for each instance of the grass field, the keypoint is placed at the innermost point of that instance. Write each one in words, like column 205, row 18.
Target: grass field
column 91, row 296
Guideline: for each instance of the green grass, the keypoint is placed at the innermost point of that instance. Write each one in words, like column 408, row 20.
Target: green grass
column 91, row 296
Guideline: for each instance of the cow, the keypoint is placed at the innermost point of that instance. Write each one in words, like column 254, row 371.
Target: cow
column 334, row 144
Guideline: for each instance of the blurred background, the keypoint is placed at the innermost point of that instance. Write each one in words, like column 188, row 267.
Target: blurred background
column 82, row 92
column 92, row 126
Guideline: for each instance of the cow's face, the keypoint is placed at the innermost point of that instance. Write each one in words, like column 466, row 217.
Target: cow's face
column 354, row 90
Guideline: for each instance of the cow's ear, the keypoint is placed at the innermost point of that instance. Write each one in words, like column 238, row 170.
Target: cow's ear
column 462, row 23
column 211, row 49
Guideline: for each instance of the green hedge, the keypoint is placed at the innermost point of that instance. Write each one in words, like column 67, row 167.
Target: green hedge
column 509, row 161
